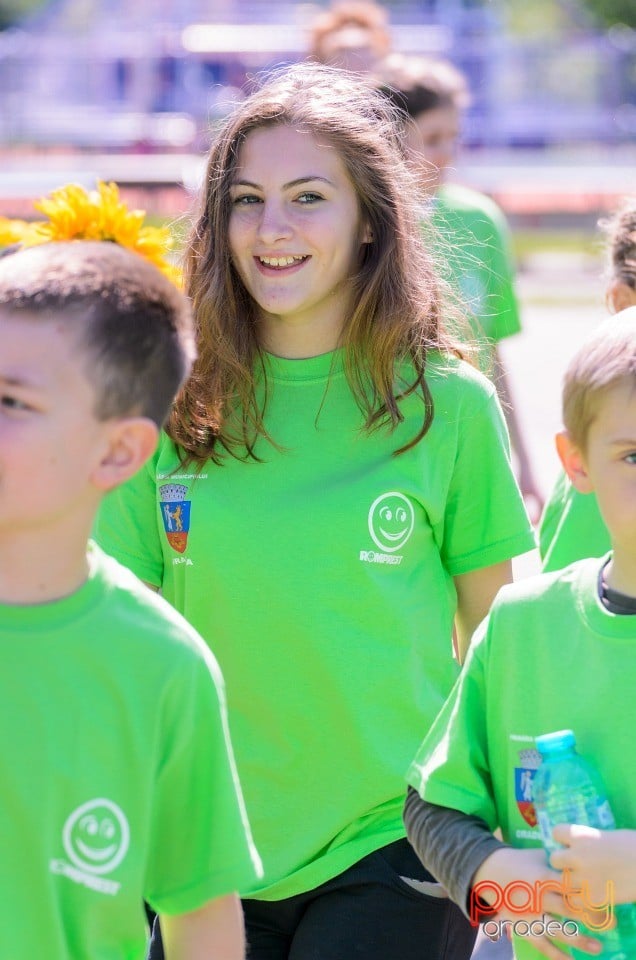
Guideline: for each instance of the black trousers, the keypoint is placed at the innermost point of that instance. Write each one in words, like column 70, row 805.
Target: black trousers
column 369, row 912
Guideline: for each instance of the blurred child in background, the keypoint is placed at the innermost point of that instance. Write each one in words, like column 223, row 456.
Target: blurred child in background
column 572, row 526
column 352, row 35
column 467, row 230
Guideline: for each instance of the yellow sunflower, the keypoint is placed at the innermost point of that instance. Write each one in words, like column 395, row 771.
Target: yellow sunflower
column 14, row 231
column 77, row 214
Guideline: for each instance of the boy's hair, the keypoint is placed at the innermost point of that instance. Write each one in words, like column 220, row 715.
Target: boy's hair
column 605, row 359
column 363, row 14
column 419, row 84
column 620, row 230
column 134, row 327
column 396, row 311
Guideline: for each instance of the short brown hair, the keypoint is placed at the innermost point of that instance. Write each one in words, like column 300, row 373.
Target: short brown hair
column 605, row 359
column 135, row 328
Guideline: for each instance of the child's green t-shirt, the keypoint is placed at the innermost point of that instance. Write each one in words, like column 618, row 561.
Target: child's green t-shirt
column 118, row 782
column 571, row 528
column 549, row 657
column 322, row 578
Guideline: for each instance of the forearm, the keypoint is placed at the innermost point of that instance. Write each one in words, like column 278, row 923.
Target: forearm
column 476, row 591
column 517, row 441
column 502, row 382
column 451, row 844
column 214, row 932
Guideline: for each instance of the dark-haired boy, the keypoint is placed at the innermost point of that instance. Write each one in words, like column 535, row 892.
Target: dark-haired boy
column 556, row 652
column 118, row 782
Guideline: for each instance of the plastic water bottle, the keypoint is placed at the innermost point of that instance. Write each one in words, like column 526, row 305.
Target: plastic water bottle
column 568, row 789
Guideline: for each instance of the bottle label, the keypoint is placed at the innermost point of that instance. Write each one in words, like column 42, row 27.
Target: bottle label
column 605, row 816
column 545, row 826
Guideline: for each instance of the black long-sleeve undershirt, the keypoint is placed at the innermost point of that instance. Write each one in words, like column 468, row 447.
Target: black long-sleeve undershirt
column 452, row 845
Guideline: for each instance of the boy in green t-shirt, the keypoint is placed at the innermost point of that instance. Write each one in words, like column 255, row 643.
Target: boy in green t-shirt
column 118, row 781
column 546, row 657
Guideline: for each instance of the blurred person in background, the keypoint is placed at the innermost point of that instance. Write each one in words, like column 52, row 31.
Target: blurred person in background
column 572, row 527
column 351, row 35
column 468, row 231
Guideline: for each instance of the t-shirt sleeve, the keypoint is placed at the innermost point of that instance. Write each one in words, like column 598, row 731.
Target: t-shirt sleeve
column 126, row 526
column 200, row 842
column 486, row 520
column 451, row 767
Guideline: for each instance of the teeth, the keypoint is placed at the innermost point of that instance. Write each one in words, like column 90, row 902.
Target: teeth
column 280, row 261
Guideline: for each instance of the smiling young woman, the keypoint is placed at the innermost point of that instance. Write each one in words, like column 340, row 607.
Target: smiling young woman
column 346, row 497
column 295, row 236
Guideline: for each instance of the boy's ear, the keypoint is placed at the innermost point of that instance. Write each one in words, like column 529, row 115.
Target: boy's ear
column 573, row 462
column 130, row 442
column 620, row 296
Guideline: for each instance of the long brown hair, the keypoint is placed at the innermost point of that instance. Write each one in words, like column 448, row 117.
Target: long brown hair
column 396, row 294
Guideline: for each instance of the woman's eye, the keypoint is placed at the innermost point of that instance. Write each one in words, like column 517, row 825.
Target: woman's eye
column 631, row 457
column 309, row 198
column 246, row 198
column 12, row 403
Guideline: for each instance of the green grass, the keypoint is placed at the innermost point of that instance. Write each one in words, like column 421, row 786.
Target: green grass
column 528, row 242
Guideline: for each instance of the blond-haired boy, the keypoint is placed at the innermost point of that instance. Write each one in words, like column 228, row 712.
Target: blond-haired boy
column 556, row 651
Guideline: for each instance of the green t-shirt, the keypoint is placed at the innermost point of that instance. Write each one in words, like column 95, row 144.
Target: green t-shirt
column 572, row 527
column 540, row 662
column 322, row 577
column 118, row 782
column 474, row 252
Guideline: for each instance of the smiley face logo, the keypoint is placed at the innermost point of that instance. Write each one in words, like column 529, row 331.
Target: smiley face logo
column 391, row 521
column 96, row 836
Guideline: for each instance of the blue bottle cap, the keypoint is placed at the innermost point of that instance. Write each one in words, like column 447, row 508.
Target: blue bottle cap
column 554, row 742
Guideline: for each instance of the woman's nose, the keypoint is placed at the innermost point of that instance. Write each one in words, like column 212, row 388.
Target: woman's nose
column 274, row 223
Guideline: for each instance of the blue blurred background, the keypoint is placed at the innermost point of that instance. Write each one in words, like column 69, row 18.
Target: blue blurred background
column 150, row 74
column 551, row 128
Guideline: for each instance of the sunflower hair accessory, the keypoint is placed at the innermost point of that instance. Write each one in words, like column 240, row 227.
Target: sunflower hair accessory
column 78, row 214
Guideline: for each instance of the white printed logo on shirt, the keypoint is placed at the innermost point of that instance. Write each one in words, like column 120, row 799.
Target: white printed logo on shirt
column 391, row 520
column 96, row 837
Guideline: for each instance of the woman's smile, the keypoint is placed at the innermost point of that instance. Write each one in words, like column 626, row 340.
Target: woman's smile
column 282, row 263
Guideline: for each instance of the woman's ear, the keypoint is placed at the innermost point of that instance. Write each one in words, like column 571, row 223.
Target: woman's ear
column 573, row 460
column 130, row 442
column 367, row 234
